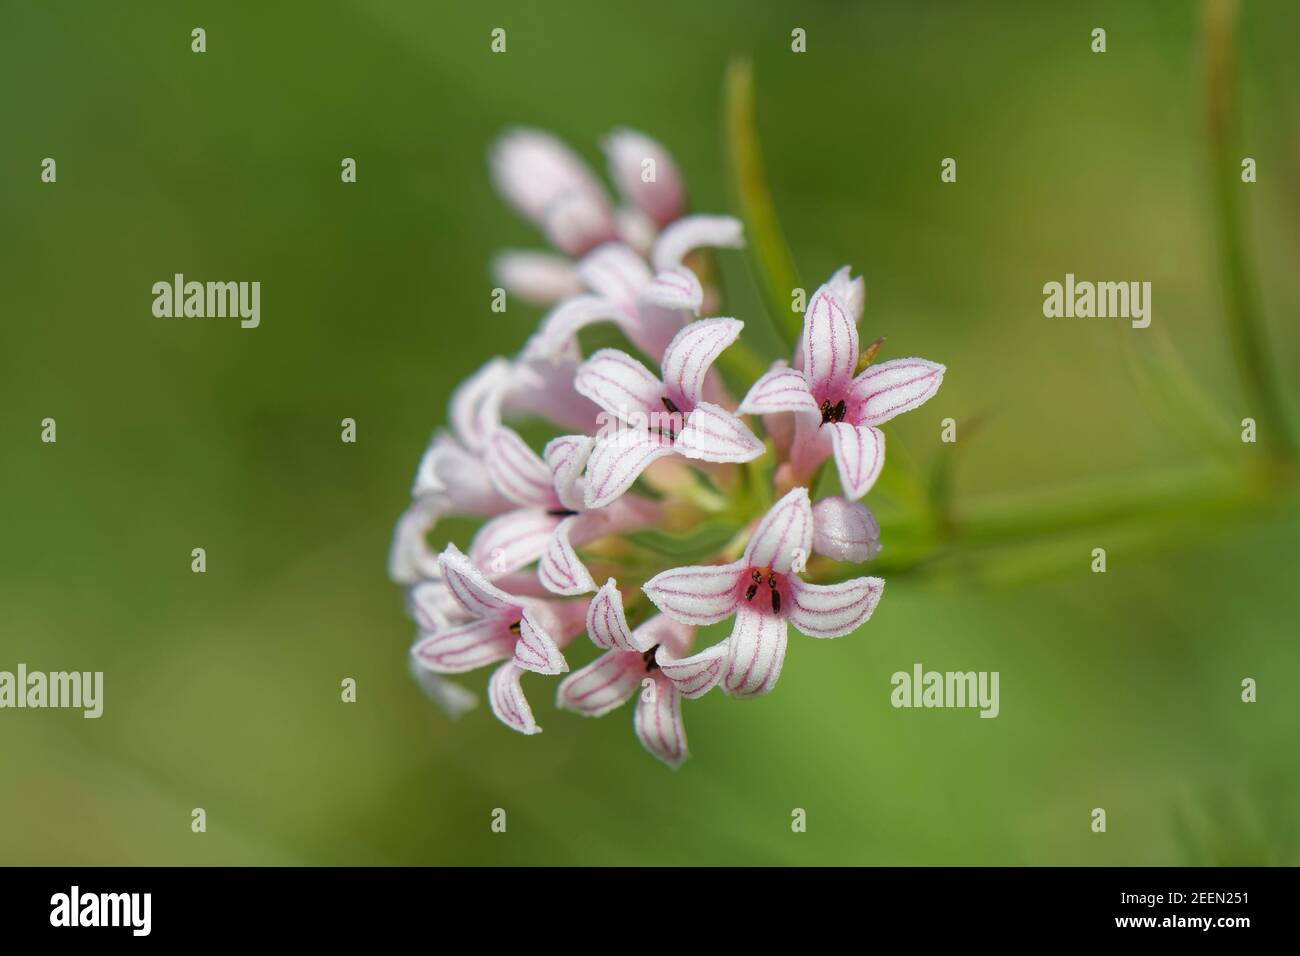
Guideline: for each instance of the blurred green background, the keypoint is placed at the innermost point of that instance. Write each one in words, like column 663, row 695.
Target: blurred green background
column 222, row 690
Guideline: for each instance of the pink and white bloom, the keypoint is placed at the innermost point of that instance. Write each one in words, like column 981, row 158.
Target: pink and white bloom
column 550, row 517
column 630, row 665
column 836, row 412
column 845, row 530
column 527, row 633
column 648, row 302
column 764, row 592
column 654, row 417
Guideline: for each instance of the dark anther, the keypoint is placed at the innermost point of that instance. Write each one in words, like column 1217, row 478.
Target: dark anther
column 833, row 413
column 668, row 404
column 560, row 512
column 838, row 414
column 826, row 410
column 750, row 592
column 672, row 422
column 776, row 601
column 771, row 580
column 756, row 574
column 515, row 627
column 649, row 658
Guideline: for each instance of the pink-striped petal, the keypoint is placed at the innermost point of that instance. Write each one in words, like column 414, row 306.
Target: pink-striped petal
column 615, row 272
column 561, row 324
column 673, row 638
column 476, row 404
column 696, row 675
column 699, row 594
column 693, row 232
column 452, row 699
column 506, row 697
column 566, row 457
column 538, row 278
column 755, row 653
column 631, row 155
column 784, row 534
column 780, row 389
column 691, row 354
column 602, row 685
column 532, row 168
column 471, row 588
column 432, row 605
column 512, row 540
column 894, row 387
column 410, row 559
column 832, row 610
column 830, row 346
column 620, row 385
column 536, row 649
column 676, row 288
column 606, row 622
column 850, row 291
column 859, row 456
column 518, row 472
column 468, row 646
column 712, row 433
column 578, row 222
column 658, row 722
column 617, row 461
column 845, row 530
column 560, row 570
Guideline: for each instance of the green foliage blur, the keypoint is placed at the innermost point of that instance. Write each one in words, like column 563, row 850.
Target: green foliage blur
column 1119, row 691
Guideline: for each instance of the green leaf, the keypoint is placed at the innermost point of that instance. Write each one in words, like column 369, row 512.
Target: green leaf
column 769, row 253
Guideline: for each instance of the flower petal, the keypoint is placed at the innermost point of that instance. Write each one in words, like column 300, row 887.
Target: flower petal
column 832, row 610
column 538, row 278
column 602, row 685
column 561, row 571
column 696, row 675
column 476, row 594
column 615, row 272
column 755, row 653
column 712, row 433
column 845, row 530
column 698, row 594
column 476, row 404
column 617, row 461
column 606, row 622
column 783, row 536
column 850, row 291
column 562, row 323
column 691, row 354
column 532, row 169
column 452, row 699
column 513, row 540
column 464, row 647
column 566, row 456
column 632, row 156
column 410, row 558
column 536, row 650
column 517, row 471
column 432, row 605
column 830, row 346
column 894, row 387
column 780, row 389
column 578, row 222
column 859, row 456
column 675, row 288
column 620, row 385
column 658, row 722
column 693, row 232
column 506, row 697
column 459, row 476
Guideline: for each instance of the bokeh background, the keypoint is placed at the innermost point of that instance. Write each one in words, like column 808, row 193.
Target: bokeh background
column 1119, row 690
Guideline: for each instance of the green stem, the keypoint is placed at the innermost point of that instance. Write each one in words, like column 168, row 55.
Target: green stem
column 769, row 254
column 1242, row 313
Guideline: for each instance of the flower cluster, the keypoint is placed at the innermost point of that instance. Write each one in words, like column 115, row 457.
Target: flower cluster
column 648, row 456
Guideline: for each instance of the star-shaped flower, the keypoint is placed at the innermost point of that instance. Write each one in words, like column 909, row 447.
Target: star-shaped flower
column 494, row 625
column 653, row 417
column 764, row 592
column 836, row 412
column 631, row 664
